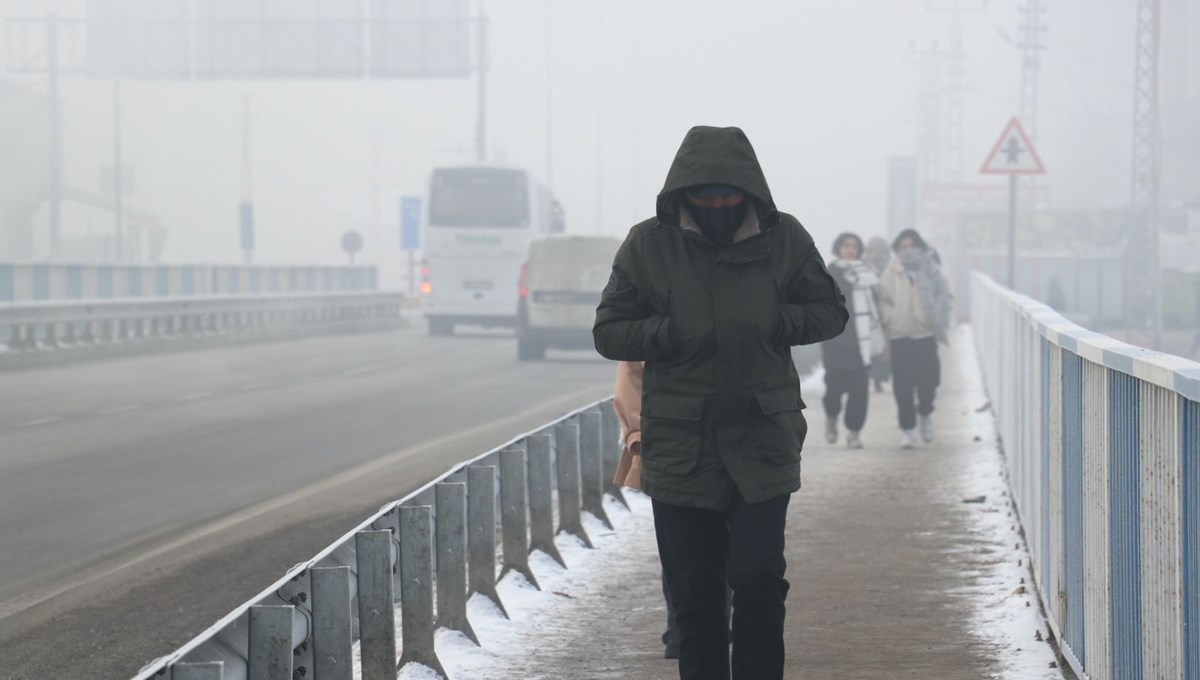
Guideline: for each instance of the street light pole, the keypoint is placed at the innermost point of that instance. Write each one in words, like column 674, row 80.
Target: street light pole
column 481, row 120
column 118, row 210
column 54, row 189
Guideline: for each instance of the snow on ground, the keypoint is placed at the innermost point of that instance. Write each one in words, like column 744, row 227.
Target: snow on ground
column 534, row 614
column 1007, row 612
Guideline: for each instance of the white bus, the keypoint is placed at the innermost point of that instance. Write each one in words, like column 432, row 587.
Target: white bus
column 478, row 224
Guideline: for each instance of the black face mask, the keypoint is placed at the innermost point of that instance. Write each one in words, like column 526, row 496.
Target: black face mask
column 718, row 224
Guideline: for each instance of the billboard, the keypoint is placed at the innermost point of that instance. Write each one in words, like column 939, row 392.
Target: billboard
column 420, row 39
column 138, row 38
column 279, row 39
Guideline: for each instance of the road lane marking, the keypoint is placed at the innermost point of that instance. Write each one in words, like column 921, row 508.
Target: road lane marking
column 364, row 371
column 194, row 396
column 40, row 421
column 118, row 409
column 18, row 604
column 253, row 386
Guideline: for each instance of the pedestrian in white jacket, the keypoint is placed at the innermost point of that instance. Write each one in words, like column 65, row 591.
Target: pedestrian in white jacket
column 916, row 306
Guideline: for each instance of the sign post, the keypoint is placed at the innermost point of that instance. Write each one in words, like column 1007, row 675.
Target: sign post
column 410, row 234
column 246, row 222
column 352, row 242
column 1013, row 155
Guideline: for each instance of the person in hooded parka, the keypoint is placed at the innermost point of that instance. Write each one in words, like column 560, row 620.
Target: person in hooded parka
column 711, row 293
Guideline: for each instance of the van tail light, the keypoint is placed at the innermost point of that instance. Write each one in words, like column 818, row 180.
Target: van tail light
column 426, row 285
column 524, row 292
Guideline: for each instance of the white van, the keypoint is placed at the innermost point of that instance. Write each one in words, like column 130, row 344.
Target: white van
column 478, row 225
column 560, row 288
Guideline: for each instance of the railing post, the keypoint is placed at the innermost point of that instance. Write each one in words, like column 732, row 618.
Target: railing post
column 270, row 643
column 610, row 451
column 451, row 503
column 514, row 514
column 331, row 637
column 376, row 613
column 590, row 468
column 87, row 335
column 566, row 458
column 481, row 533
column 416, row 588
column 209, row 670
column 541, row 498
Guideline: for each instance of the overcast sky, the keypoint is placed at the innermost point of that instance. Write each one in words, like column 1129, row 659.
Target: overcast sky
column 826, row 91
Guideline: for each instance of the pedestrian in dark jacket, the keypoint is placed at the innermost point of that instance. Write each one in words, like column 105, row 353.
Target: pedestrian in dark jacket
column 710, row 294
column 847, row 358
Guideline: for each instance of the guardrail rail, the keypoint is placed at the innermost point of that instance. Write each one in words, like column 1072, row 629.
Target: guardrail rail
column 37, row 332
column 429, row 551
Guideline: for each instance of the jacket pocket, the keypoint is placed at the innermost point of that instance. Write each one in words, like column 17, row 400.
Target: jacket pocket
column 779, row 434
column 672, row 432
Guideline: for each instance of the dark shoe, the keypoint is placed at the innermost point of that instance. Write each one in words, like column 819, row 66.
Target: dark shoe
column 672, row 650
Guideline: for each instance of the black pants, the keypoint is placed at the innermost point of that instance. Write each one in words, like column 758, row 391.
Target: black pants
column 853, row 383
column 703, row 551
column 915, row 371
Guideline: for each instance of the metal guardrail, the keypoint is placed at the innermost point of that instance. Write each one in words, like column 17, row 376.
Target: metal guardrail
column 1102, row 441
column 42, row 282
column 441, row 538
column 28, row 329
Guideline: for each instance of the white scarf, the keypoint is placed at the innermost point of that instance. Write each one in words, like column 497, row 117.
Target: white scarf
column 867, row 326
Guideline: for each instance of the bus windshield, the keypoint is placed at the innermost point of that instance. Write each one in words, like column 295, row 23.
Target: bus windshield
column 479, row 197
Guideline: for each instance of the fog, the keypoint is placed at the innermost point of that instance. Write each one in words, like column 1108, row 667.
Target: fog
column 827, row 92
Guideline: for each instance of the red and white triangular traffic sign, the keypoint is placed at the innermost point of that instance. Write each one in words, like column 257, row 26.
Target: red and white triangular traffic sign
column 1013, row 154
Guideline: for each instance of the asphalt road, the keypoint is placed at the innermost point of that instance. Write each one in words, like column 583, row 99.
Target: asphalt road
column 141, row 499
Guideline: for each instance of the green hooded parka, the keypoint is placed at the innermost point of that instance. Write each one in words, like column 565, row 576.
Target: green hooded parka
column 721, row 405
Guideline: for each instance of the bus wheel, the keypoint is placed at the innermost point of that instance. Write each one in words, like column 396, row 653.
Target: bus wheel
column 441, row 327
column 529, row 349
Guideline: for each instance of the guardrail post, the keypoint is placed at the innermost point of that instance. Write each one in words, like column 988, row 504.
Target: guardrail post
column 331, row 637
column 87, row 335
column 376, row 613
column 50, row 341
column 514, row 514
column 416, row 588
column 541, row 498
column 270, row 643
column 481, row 533
column 591, row 471
column 610, row 451
column 451, row 502
column 566, row 458
column 210, row 670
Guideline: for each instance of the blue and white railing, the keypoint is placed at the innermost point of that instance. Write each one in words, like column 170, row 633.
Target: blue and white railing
column 1102, row 441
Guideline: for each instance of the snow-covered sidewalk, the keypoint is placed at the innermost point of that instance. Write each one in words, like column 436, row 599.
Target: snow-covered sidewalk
column 902, row 564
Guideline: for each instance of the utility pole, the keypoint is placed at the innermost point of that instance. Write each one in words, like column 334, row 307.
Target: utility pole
column 1142, row 300
column 956, row 58
column 1030, row 29
column 118, row 208
column 549, row 91
column 54, row 119
column 246, row 209
column 600, row 127
column 481, row 119
column 929, row 116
